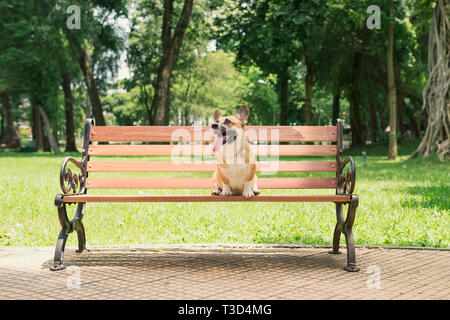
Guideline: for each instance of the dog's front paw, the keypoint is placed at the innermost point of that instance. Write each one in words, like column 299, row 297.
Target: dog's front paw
column 216, row 192
column 248, row 194
column 226, row 193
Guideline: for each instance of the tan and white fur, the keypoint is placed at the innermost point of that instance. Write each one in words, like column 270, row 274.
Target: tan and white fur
column 235, row 172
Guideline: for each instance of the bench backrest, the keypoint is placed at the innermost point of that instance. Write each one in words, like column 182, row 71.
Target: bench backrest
column 192, row 141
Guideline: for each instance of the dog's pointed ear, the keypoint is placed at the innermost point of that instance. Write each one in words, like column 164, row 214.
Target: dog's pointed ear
column 242, row 113
column 216, row 115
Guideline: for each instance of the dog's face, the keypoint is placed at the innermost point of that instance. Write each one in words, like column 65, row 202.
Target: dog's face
column 229, row 128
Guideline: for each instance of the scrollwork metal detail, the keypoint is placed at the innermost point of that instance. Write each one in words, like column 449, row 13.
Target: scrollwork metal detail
column 347, row 179
column 69, row 181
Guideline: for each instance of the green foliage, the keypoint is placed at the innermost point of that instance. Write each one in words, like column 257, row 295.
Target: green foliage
column 34, row 51
column 259, row 32
column 255, row 41
column 30, row 53
column 99, row 33
column 125, row 107
column 212, row 83
column 257, row 91
column 145, row 46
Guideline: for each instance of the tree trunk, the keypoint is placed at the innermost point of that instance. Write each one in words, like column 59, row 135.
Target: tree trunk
column 400, row 99
column 46, row 142
column 2, row 132
column 336, row 108
column 436, row 94
column 284, row 94
column 372, row 115
column 88, row 109
column 401, row 109
column 382, row 113
column 309, row 84
column 86, row 67
column 392, row 91
column 149, row 110
column 68, row 108
column 10, row 137
column 171, row 49
column 161, row 97
column 308, row 102
column 94, row 97
column 354, row 98
column 37, row 132
column 51, row 140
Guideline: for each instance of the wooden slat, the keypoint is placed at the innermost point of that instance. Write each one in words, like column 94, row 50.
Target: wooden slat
column 205, row 150
column 166, row 133
column 159, row 166
column 205, row 183
column 190, row 198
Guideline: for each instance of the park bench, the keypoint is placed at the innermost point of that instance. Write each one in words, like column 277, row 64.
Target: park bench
column 273, row 141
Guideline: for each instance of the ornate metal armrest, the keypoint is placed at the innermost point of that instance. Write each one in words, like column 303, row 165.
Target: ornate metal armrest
column 71, row 182
column 347, row 179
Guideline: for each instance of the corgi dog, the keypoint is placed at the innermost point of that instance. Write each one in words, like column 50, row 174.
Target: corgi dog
column 236, row 162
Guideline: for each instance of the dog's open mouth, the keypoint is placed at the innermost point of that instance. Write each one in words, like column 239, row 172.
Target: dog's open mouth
column 222, row 137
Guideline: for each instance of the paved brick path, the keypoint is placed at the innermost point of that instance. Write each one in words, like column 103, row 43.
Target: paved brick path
column 223, row 272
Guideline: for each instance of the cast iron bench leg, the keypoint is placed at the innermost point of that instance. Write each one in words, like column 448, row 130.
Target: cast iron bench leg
column 67, row 228
column 59, row 251
column 348, row 231
column 81, row 237
column 347, row 228
column 337, row 229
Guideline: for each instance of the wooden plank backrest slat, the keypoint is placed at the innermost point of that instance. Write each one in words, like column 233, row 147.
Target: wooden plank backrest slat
column 206, row 150
column 254, row 133
column 160, row 166
column 205, row 183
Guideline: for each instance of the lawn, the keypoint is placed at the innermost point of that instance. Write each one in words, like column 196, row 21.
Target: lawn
column 402, row 203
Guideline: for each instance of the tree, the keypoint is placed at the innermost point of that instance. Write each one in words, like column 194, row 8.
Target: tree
column 359, row 64
column 436, row 94
column 278, row 37
column 10, row 136
column 86, row 67
column 68, row 104
column 145, row 51
column 212, row 83
column 126, row 108
column 28, row 63
column 36, row 59
column 345, row 69
column 209, row 82
column 392, row 91
column 95, row 36
column 53, row 144
column 261, row 96
column 171, row 44
column 253, row 31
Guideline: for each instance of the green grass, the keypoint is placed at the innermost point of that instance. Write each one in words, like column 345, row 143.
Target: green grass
column 402, row 203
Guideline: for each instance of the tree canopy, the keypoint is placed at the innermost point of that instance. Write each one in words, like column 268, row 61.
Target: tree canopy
column 292, row 61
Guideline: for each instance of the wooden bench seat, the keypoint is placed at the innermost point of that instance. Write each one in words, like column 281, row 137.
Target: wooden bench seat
column 191, row 152
column 195, row 198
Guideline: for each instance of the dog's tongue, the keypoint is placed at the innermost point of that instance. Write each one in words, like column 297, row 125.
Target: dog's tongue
column 217, row 144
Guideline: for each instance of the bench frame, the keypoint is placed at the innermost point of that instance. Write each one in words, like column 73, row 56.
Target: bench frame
column 72, row 184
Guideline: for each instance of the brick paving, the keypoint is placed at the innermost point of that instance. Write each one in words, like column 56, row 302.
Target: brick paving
column 223, row 272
